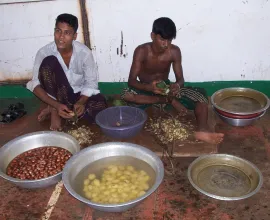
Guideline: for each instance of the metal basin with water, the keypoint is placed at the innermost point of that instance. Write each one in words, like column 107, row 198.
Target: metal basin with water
column 94, row 159
column 239, row 102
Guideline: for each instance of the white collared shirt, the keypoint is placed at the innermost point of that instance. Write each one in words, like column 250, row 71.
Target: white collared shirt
column 82, row 71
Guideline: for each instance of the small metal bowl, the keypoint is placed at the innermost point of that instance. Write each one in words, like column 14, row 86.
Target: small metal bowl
column 97, row 157
column 225, row 177
column 30, row 141
column 239, row 122
column 240, row 101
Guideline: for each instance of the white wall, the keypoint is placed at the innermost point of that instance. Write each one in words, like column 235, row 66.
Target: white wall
column 220, row 40
column 24, row 28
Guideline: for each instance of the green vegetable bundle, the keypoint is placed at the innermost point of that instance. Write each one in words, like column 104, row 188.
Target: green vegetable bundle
column 119, row 102
column 164, row 86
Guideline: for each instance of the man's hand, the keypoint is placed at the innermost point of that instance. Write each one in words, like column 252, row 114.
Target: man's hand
column 155, row 89
column 64, row 111
column 174, row 89
column 79, row 108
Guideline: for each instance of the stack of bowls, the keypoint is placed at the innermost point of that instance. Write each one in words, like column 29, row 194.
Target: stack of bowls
column 239, row 106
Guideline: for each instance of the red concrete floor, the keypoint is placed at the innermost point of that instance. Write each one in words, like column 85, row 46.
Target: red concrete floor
column 174, row 199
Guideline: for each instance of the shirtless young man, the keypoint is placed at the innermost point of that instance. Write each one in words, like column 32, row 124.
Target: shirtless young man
column 65, row 76
column 151, row 64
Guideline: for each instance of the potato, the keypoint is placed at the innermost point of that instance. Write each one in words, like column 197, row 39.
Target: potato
column 109, row 178
column 116, row 200
column 113, row 190
column 142, row 172
column 145, row 186
column 91, row 176
column 140, row 178
column 122, row 177
column 119, row 173
column 118, row 184
column 102, row 187
column 106, row 172
column 141, row 193
column 133, row 187
column 124, row 195
column 96, row 199
column 134, row 175
column 106, row 192
column 96, row 182
column 96, row 190
column 121, row 168
column 130, row 168
column 146, row 178
column 120, row 190
column 86, row 182
column 114, row 195
column 126, row 172
column 94, row 194
column 113, row 169
column 115, row 186
column 126, row 189
column 88, row 195
column 115, row 181
column 126, row 181
column 90, row 188
column 134, row 192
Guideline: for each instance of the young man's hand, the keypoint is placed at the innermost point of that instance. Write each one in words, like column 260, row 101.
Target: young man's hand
column 174, row 89
column 155, row 89
column 64, row 111
column 79, row 108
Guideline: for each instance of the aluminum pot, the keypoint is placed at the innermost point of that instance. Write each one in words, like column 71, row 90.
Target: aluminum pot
column 30, row 141
column 92, row 154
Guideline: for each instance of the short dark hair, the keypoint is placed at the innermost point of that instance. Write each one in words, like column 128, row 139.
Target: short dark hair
column 71, row 20
column 165, row 27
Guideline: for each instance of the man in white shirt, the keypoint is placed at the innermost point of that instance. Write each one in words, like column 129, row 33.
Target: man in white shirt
column 65, row 76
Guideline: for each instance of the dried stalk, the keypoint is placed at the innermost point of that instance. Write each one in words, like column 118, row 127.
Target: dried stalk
column 170, row 156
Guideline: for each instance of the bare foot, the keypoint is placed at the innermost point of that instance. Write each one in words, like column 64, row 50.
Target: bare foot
column 208, row 137
column 44, row 114
column 55, row 121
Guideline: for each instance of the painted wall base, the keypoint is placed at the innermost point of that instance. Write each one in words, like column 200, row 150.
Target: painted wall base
column 112, row 88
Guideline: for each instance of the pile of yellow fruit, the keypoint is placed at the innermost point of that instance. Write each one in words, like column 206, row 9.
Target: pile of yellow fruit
column 118, row 184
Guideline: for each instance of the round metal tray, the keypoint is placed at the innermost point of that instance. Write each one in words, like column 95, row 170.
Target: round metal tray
column 240, row 101
column 225, row 177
